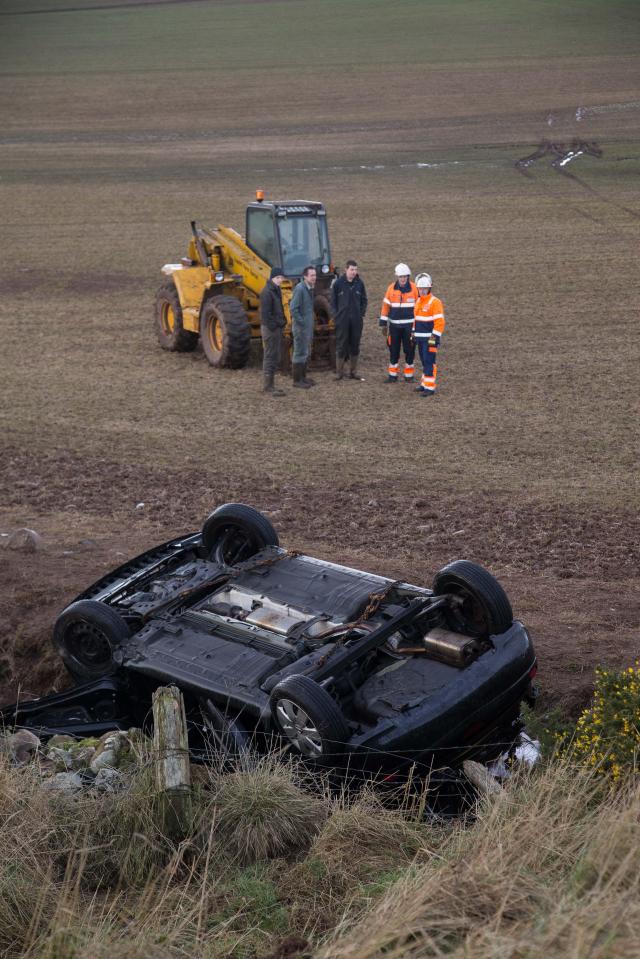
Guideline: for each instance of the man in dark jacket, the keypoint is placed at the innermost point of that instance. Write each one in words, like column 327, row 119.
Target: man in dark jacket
column 272, row 323
column 349, row 305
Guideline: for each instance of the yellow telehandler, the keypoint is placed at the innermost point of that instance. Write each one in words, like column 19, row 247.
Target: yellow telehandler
column 212, row 293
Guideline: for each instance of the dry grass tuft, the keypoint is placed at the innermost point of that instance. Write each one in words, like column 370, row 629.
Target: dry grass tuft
column 547, row 865
column 28, row 867
column 260, row 812
column 365, row 839
column 361, row 848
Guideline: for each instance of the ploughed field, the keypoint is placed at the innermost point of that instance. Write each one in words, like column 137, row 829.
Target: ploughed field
column 120, row 125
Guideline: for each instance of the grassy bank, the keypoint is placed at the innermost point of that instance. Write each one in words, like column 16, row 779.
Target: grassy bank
column 270, row 868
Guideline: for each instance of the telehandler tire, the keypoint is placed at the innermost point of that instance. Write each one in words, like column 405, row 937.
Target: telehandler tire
column 167, row 319
column 321, row 310
column 225, row 332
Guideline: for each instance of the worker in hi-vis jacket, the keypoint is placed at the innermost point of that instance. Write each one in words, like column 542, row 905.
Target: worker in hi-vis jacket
column 428, row 327
column 396, row 322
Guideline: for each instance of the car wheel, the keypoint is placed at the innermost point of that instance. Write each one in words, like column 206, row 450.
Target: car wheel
column 309, row 718
column 85, row 635
column 235, row 532
column 483, row 608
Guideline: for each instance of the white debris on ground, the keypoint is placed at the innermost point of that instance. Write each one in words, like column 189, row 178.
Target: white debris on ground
column 528, row 751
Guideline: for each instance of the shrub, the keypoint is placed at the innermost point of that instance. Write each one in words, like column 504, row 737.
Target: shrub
column 608, row 731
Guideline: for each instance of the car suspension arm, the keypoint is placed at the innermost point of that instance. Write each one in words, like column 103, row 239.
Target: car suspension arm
column 350, row 653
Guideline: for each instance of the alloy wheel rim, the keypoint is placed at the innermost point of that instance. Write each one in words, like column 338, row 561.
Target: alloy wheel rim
column 298, row 727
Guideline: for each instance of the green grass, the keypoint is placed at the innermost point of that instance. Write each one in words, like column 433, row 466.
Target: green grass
column 201, row 37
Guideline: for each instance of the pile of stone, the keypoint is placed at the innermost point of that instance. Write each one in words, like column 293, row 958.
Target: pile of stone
column 71, row 765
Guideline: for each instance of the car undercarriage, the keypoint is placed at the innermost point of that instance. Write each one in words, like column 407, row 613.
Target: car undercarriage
column 271, row 647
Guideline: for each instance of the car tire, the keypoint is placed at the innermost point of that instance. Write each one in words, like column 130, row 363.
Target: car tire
column 85, row 635
column 225, row 332
column 167, row 321
column 485, row 609
column 234, row 533
column 309, row 719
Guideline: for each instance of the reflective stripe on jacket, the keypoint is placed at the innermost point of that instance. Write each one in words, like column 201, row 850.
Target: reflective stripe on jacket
column 429, row 317
column 398, row 304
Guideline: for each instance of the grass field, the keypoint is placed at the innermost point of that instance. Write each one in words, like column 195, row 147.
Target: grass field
column 121, row 124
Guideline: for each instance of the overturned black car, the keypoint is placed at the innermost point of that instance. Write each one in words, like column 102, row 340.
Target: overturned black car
column 346, row 668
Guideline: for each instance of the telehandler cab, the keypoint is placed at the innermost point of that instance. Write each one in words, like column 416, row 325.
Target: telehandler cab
column 212, row 293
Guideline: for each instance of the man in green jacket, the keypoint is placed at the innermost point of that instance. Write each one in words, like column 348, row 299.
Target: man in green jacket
column 302, row 327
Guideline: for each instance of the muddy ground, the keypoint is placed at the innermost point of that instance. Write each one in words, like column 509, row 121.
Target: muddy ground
column 526, row 461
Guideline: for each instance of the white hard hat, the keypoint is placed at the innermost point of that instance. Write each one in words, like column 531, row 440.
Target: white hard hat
column 402, row 270
column 422, row 280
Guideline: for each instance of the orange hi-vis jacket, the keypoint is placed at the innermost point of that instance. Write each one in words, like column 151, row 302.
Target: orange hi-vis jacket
column 429, row 318
column 398, row 305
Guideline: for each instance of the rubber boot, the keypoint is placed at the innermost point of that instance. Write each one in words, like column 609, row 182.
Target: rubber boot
column 353, row 370
column 298, row 369
column 339, row 368
column 307, row 379
column 269, row 387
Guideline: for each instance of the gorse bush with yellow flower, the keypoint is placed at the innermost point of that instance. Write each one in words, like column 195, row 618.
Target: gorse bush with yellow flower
column 608, row 731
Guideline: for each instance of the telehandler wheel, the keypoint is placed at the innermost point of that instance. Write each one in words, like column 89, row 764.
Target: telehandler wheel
column 322, row 310
column 167, row 319
column 225, row 332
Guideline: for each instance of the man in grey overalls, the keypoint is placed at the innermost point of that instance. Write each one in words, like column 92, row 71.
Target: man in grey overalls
column 301, row 308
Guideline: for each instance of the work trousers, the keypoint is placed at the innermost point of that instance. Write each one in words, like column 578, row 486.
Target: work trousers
column 348, row 336
column 272, row 349
column 302, row 331
column 428, row 356
column 400, row 337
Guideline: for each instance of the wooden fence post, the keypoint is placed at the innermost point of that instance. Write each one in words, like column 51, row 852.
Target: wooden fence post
column 171, row 751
